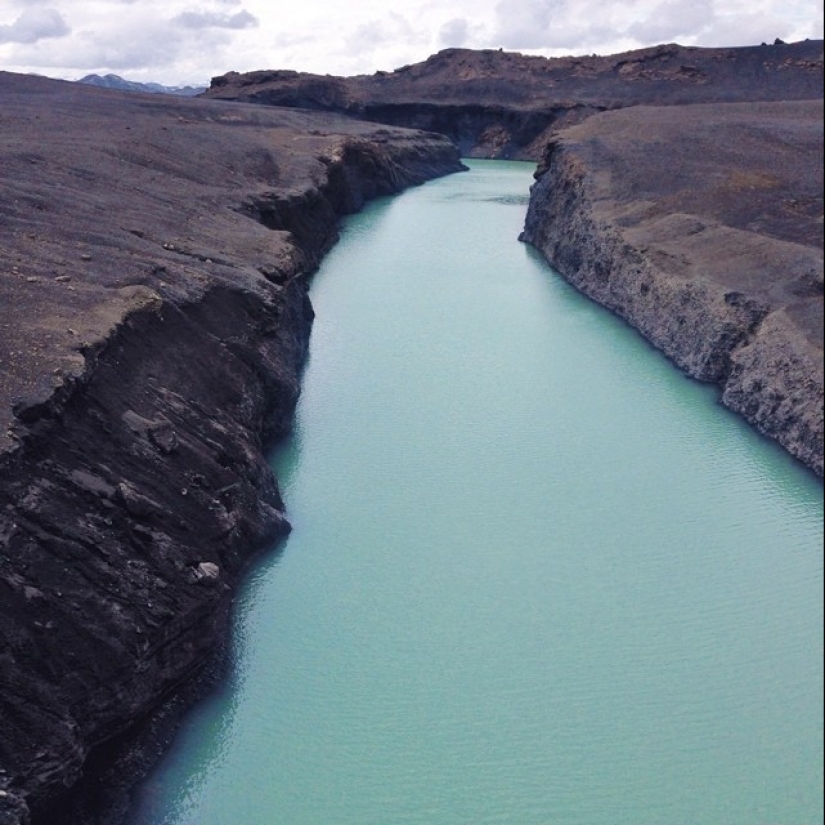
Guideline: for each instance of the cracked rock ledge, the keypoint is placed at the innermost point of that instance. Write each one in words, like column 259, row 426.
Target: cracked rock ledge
column 159, row 251
column 701, row 226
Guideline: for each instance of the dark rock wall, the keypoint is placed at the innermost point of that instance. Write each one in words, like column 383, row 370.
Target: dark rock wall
column 482, row 131
column 497, row 104
column 131, row 509
column 133, row 496
column 754, row 328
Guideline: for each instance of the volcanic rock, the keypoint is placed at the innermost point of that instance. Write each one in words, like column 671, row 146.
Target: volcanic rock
column 501, row 104
column 154, row 318
column 702, row 227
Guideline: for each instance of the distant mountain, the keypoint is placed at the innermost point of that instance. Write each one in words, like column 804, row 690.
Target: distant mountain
column 113, row 81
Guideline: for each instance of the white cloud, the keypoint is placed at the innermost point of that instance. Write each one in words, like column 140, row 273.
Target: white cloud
column 33, row 25
column 454, row 33
column 554, row 27
column 216, row 20
column 528, row 24
column 708, row 23
column 673, row 20
column 189, row 41
column 375, row 34
column 561, row 26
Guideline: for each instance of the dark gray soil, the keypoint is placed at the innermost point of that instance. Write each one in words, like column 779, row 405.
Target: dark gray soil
column 504, row 104
column 154, row 318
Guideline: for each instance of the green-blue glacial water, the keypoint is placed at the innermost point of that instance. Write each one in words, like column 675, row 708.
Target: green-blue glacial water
column 536, row 576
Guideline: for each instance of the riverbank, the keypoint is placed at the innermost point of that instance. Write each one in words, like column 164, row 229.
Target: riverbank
column 535, row 575
column 153, row 324
column 702, row 227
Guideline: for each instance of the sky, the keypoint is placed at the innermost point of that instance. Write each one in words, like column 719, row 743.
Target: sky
column 179, row 42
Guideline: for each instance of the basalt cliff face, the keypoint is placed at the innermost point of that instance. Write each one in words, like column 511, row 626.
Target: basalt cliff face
column 154, row 255
column 702, row 227
column 496, row 104
column 680, row 187
column 154, row 318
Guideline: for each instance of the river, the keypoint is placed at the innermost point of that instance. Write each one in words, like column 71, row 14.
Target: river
column 536, row 574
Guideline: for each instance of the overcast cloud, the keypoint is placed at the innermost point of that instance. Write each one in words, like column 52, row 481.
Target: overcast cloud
column 33, row 25
column 215, row 20
column 179, row 42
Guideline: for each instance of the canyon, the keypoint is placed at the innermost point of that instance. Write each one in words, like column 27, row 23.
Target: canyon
column 153, row 323
column 154, row 319
column 679, row 187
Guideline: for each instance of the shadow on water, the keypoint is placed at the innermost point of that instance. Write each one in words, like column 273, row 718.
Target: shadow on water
column 208, row 703
column 115, row 773
column 211, row 702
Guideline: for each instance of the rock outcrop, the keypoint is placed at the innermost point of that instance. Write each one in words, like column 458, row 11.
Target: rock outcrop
column 154, row 257
column 153, row 322
column 702, row 227
column 500, row 104
column 682, row 188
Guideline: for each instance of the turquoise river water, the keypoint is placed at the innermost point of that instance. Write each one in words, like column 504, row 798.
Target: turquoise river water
column 536, row 575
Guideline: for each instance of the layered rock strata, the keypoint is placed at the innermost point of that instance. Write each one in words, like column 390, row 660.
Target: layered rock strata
column 699, row 218
column 702, row 227
column 154, row 318
column 497, row 104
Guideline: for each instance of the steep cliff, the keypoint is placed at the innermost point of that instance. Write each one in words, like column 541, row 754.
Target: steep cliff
column 702, row 227
column 679, row 186
column 499, row 104
column 153, row 323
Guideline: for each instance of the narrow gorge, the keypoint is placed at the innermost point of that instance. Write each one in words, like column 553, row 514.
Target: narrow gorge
column 159, row 251
column 679, row 186
column 154, row 262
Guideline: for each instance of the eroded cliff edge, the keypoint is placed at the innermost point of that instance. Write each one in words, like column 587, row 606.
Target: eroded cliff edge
column 497, row 104
column 154, row 255
column 702, row 227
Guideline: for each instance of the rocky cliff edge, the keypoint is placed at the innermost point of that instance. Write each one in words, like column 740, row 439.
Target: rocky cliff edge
column 154, row 255
column 702, row 227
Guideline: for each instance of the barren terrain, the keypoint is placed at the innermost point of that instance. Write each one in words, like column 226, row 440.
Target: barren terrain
column 154, row 256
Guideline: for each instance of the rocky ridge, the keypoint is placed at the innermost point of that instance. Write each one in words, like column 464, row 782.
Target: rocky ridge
column 716, row 259
column 497, row 104
column 153, row 322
